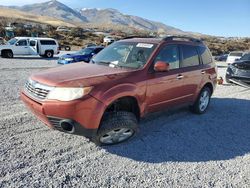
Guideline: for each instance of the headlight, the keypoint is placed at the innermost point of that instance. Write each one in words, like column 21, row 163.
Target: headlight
column 68, row 94
column 69, row 59
column 233, row 69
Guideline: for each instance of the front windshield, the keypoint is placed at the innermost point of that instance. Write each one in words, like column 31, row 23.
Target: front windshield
column 12, row 41
column 85, row 51
column 245, row 57
column 125, row 54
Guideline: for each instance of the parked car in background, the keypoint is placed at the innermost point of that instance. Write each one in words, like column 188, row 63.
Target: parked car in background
column 221, row 57
column 233, row 56
column 104, row 100
column 239, row 71
column 108, row 40
column 45, row 47
column 83, row 55
column 62, row 29
column 65, row 47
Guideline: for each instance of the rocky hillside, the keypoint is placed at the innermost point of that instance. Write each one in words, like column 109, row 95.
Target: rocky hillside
column 112, row 16
column 96, row 16
column 53, row 9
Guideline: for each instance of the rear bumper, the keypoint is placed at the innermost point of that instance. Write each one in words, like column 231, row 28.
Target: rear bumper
column 84, row 114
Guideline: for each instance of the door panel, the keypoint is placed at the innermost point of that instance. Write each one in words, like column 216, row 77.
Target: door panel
column 191, row 69
column 164, row 90
column 21, row 47
column 33, row 47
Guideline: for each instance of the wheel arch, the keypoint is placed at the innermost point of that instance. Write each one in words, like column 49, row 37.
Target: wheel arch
column 124, row 103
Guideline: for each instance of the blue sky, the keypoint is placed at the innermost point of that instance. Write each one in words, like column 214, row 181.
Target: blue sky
column 214, row 17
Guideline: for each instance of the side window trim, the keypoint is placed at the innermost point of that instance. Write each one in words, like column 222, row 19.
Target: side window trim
column 199, row 55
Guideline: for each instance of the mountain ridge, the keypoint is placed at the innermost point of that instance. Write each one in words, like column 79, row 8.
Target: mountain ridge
column 61, row 11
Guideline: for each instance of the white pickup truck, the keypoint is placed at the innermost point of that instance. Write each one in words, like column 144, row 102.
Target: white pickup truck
column 45, row 47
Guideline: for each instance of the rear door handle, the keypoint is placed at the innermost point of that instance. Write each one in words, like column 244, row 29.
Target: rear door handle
column 179, row 77
column 203, row 72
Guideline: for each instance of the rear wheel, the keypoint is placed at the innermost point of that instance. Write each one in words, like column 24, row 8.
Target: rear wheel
column 116, row 127
column 202, row 102
column 49, row 54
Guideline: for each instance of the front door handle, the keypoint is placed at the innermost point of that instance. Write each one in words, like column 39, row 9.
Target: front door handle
column 179, row 77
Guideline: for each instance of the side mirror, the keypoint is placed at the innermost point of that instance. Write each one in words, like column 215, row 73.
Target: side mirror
column 93, row 53
column 237, row 59
column 17, row 44
column 161, row 66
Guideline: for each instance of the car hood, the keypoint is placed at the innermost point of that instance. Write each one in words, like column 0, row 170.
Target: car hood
column 79, row 75
column 242, row 64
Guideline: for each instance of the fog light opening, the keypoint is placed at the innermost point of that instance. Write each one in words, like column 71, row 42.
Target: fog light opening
column 67, row 126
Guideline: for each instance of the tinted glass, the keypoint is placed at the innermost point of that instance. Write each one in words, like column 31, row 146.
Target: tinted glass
column 48, row 42
column 32, row 43
column 97, row 50
column 190, row 56
column 22, row 43
column 169, row 54
column 205, row 55
column 245, row 57
column 12, row 41
column 86, row 51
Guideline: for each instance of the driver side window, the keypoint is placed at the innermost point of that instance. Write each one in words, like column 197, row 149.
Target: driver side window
column 169, row 54
column 22, row 43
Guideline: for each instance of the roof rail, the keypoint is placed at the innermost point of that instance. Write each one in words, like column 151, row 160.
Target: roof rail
column 172, row 37
column 137, row 36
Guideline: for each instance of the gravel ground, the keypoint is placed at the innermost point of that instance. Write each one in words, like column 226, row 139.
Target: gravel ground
column 172, row 149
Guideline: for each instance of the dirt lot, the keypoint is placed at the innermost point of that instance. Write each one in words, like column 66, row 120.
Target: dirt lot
column 172, row 149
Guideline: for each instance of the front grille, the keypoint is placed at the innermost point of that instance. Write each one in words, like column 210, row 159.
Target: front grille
column 37, row 90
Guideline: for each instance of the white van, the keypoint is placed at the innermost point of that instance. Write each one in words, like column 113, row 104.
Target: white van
column 45, row 47
column 234, row 56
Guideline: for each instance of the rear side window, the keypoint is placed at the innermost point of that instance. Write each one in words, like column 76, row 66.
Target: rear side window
column 205, row 55
column 190, row 56
column 47, row 42
column 169, row 54
column 32, row 43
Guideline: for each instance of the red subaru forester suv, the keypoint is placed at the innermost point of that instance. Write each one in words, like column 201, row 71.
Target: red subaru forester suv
column 105, row 99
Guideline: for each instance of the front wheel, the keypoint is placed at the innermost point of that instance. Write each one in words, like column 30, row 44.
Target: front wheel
column 8, row 54
column 116, row 127
column 201, row 104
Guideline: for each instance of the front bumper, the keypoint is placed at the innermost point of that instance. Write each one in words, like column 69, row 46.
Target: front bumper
column 64, row 62
column 238, row 74
column 84, row 114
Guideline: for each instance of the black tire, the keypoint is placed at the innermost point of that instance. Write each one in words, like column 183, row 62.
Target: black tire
column 49, row 54
column 123, row 125
column 7, row 54
column 199, row 107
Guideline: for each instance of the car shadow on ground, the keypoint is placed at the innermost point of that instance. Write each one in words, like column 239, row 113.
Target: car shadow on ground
column 222, row 133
